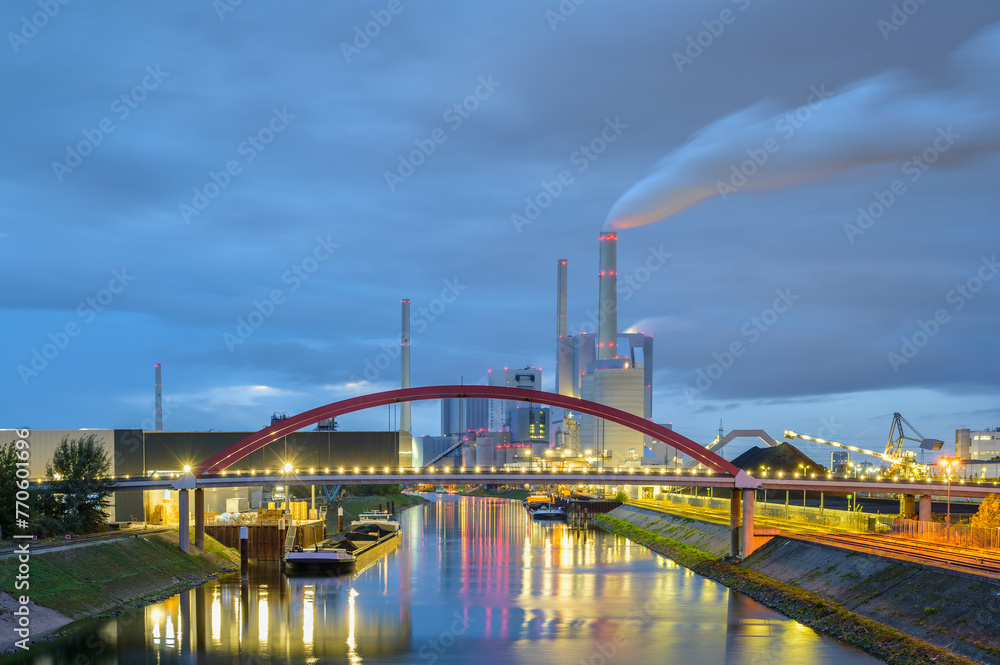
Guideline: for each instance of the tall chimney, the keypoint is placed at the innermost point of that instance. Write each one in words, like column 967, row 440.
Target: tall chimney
column 404, row 343
column 564, row 344
column 158, row 391
column 607, row 326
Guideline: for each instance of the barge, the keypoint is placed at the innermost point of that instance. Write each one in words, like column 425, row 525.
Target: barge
column 356, row 549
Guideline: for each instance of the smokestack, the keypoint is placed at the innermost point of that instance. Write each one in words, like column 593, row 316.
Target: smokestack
column 158, row 391
column 564, row 345
column 404, row 343
column 561, row 298
column 607, row 326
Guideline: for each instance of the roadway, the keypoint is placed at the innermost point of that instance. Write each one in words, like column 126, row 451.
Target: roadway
column 479, row 476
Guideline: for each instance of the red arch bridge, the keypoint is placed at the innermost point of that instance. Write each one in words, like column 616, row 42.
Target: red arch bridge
column 720, row 473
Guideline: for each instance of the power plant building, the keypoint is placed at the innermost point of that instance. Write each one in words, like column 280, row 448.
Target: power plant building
column 529, row 378
column 610, row 368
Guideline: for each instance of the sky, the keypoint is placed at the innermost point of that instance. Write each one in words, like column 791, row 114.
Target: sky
column 805, row 196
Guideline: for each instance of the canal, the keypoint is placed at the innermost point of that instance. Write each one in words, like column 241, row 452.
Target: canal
column 474, row 581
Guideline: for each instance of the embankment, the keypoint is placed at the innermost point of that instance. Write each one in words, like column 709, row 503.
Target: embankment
column 355, row 506
column 899, row 612
column 79, row 582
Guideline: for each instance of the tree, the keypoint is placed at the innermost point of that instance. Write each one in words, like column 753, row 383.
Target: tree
column 988, row 515
column 80, row 487
column 621, row 496
column 8, row 488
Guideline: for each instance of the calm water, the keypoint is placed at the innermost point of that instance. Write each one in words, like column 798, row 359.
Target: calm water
column 474, row 581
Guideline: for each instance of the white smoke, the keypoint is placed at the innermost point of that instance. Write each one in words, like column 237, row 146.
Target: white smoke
column 887, row 118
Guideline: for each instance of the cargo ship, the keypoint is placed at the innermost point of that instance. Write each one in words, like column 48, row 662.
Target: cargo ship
column 382, row 518
column 355, row 549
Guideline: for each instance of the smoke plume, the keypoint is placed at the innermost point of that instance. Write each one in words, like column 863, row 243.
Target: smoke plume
column 893, row 117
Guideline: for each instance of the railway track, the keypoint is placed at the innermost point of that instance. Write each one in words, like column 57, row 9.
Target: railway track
column 52, row 544
column 980, row 562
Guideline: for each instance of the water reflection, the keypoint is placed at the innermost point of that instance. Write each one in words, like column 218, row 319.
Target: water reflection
column 472, row 581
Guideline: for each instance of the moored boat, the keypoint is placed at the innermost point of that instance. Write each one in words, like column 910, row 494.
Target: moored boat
column 382, row 518
column 547, row 511
column 355, row 549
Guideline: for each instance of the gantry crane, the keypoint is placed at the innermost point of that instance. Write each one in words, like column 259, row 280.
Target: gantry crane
column 894, row 453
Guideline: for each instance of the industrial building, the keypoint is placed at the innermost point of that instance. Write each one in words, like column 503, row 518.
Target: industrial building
column 611, row 368
column 529, row 378
column 978, row 445
column 139, row 453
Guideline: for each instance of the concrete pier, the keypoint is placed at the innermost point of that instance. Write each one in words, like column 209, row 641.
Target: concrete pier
column 183, row 514
column 925, row 508
column 199, row 518
column 748, row 507
column 734, row 523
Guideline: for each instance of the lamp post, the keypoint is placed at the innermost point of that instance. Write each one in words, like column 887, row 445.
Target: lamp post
column 948, row 463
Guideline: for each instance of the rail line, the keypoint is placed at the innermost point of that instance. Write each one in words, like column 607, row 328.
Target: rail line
column 979, row 562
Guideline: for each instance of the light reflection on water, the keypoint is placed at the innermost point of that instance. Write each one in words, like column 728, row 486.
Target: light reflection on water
column 474, row 580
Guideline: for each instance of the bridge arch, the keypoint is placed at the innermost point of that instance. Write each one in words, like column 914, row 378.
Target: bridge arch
column 258, row 440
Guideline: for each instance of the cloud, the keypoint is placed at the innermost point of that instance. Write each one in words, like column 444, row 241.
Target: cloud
column 892, row 117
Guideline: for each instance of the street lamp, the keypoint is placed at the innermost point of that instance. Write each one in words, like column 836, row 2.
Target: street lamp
column 948, row 463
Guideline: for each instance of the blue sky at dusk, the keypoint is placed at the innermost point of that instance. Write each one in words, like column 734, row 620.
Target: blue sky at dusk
column 813, row 184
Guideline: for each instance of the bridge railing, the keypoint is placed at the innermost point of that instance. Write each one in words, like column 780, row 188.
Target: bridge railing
column 960, row 535
column 805, row 515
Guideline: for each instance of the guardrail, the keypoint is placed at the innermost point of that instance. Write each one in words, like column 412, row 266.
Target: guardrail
column 959, row 535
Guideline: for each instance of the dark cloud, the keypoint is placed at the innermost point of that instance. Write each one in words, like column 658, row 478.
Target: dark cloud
column 450, row 220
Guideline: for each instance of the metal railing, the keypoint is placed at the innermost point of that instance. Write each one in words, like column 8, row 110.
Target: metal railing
column 960, row 535
column 805, row 515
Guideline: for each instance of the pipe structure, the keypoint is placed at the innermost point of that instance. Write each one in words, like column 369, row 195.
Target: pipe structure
column 607, row 326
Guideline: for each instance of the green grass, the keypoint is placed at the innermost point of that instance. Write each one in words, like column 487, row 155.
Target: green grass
column 354, row 508
column 825, row 616
column 73, row 581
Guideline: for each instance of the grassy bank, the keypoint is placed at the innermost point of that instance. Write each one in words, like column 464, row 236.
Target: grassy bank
column 353, row 508
column 84, row 581
column 825, row 616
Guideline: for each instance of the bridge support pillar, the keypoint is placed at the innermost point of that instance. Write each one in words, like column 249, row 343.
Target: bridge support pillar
column 907, row 507
column 199, row 518
column 748, row 505
column 183, row 525
column 925, row 508
column 734, row 523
